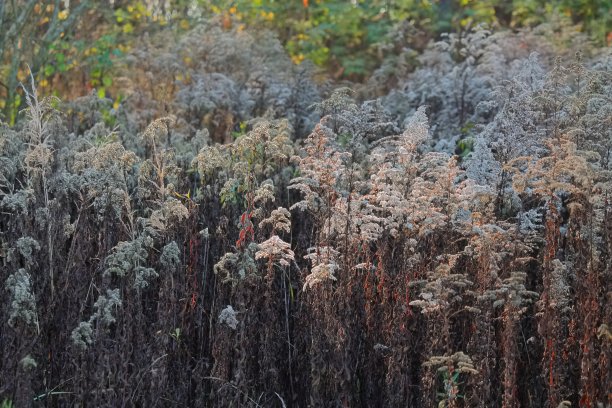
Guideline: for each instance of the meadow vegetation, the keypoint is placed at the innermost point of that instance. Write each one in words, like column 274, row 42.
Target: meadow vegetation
column 219, row 217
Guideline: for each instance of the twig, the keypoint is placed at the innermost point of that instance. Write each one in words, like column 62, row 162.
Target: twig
column 234, row 387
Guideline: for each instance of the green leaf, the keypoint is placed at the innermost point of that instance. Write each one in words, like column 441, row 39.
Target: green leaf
column 107, row 81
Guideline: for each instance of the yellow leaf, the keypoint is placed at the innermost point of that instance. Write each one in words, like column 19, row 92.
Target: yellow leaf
column 21, row 75
column 297, row 59
column 62, row 15
column 184, row 24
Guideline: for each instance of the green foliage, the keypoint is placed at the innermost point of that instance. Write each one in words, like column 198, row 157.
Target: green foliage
column 6, row 403
column 176, row 334
column 31, row 32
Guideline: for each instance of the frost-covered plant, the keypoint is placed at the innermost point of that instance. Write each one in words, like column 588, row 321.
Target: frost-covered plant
column 275, row 250
column 202, row 79
column 241, row 173
column 105, row 306
column 458, row 361
column 456, row 74
column 83, row 335
column 443, row 291
column 329, row 176
column 414, row 191
column 27, row 246
column 393, row 170
column 326, row 182
column 40, row 127
column 210, row 92
column 23, row 301
column 28, row 363
column 263, row 195
column 11, row 155
column 209, row 160
column 324, row 265
column 540, row 130
column 515, row 130
column 228, row 317
column 171, row 213
column 515, row 298
column 159, row 174
column 563, row 171
column 102, row 172
column 263, row 150
column 234, row 266
column 41, row 118
column 322, row 176
column 355, row 126
column 128, row 259
column 279, row 220
column 170, row 257
column 453, row 369
column 513, row 294
column 458, row 77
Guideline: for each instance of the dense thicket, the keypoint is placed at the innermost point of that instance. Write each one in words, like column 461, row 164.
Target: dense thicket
column 447, row 244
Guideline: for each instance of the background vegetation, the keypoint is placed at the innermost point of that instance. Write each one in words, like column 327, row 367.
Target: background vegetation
column 305, row 203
